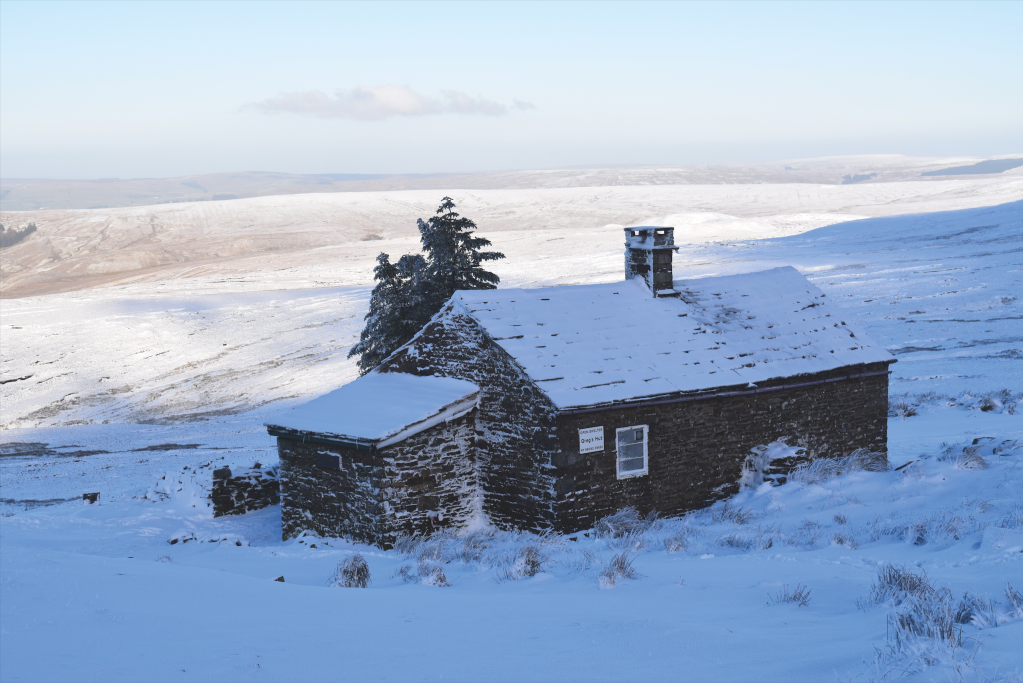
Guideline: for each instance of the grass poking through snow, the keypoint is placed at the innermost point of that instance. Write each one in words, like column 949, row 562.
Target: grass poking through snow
column 799, row 596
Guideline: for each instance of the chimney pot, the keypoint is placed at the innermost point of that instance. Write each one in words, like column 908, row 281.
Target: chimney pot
column 648, row 252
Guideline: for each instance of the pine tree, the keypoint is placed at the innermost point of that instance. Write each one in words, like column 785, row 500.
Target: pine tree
column 394, row 309
column 408, row 293
column 453, row 254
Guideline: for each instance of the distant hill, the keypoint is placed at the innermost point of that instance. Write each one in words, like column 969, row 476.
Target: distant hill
column 332, row 238
column 989, row 166
column 29, row 194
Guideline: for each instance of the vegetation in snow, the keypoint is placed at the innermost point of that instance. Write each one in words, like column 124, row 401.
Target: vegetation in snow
column 910, row 405
column 926, row 622
column 11, row 236
column 351, row 572
column 408, row 293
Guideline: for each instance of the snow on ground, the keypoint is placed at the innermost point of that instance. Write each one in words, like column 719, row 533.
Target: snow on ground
column 106, row 356
column 30, row 194
column 941, row 291
column 313, row 240
column 98, row 592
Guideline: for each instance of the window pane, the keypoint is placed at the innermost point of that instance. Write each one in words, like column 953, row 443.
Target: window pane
column 632, row 465
column 631, row 450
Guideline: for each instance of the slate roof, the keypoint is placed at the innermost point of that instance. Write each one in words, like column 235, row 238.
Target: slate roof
column 382, row 408
column 589, row 345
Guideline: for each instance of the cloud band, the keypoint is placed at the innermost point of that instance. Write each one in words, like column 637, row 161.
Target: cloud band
column 375, row 103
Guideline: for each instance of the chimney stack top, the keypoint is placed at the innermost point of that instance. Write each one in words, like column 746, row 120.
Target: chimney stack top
column 648, row 251
column 649, row 237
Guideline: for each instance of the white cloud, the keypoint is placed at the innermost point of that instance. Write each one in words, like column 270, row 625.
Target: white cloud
column 369, row 103
column 464, row 104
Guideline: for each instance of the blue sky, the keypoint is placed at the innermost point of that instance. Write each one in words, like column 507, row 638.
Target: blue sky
column 160, row 89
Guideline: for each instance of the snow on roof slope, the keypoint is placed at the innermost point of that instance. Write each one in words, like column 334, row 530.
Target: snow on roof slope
column 382, row 407
column 592, row 344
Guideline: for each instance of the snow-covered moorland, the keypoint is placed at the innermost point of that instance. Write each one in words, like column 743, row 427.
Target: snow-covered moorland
column 854, row 573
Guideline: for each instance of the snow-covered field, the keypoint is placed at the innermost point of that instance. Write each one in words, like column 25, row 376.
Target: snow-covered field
column 317, row 240
column 112, row 389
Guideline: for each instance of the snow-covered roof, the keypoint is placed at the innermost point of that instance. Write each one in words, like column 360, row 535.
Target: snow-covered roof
column 382, row 408
column 588, row 345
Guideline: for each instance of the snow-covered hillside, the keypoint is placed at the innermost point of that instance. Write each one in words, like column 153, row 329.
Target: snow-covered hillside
column 316, row 240
column 939, row 290
column 101, row 591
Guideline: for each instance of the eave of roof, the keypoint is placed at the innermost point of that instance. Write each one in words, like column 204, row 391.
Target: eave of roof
column 378, row 410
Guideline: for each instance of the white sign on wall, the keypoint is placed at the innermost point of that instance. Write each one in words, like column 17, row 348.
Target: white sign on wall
column 591, row 440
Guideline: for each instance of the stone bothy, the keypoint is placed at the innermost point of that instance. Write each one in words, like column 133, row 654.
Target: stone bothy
column 550, row 408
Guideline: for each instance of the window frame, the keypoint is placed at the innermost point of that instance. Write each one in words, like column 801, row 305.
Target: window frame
column 646, row 453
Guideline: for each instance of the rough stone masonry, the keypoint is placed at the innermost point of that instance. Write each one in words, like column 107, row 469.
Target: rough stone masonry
column 672, row 383
column 237, row 491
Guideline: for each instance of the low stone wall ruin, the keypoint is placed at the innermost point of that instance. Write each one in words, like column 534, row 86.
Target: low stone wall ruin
column 243, row 489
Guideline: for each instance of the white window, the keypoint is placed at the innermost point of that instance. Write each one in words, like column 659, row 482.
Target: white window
column 632, row 451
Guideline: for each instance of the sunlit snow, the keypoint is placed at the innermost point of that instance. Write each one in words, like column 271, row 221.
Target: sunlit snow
column 131, row 390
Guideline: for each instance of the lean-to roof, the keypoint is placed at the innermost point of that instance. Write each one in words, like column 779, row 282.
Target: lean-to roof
column 382, row 408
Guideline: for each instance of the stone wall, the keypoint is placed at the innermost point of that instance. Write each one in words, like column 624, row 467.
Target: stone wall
column 329, row 490
column 696, row 449
column 432, row 480
column 237, row 490
column 426, row 482
column 516, row 421
column 517, row 459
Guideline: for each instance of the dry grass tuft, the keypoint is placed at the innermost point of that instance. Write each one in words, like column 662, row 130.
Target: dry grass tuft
column 845, row 540
column 901, row 408
column 966, row 459
column 823, row 469
column 432, row 574
column 620, row 567
column 680, row 539
column 894, row 584
column 729, row 513
column 800, row 596
column 625, row 522
column 529, row 562
column 351, row 572
column 1014, row 519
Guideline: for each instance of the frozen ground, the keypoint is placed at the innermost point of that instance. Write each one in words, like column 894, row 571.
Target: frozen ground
column 98, row 592
column 317, row 240
column 21, row 194
column 940, row 290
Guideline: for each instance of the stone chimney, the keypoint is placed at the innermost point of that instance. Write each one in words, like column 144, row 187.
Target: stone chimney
column 648, row 251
